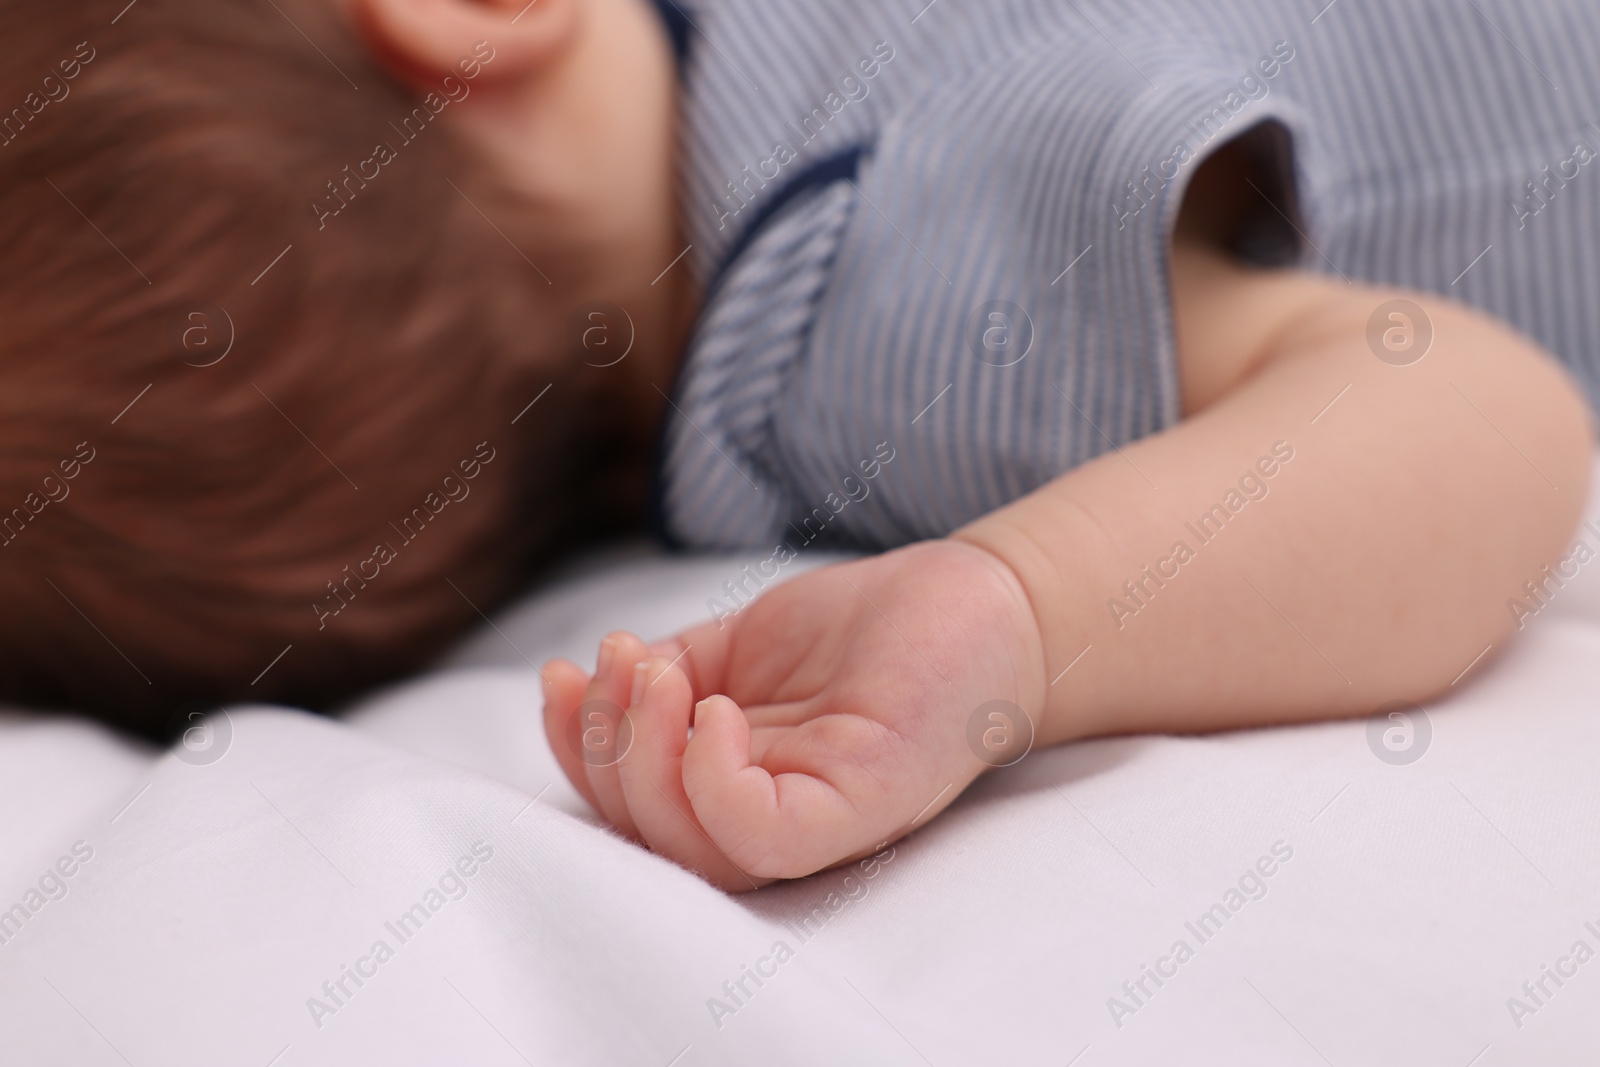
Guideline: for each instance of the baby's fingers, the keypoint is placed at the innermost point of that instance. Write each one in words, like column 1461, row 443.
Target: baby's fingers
column 783, row 825
column 605, row 731
column 652, row 776
column 564, row 683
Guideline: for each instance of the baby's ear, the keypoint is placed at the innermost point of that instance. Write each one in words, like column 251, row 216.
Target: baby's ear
column 423, row 41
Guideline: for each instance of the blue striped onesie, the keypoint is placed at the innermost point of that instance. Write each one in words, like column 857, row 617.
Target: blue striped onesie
column 933, row 236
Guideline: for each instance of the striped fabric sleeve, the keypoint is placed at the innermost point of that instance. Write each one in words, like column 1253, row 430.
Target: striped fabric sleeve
column 998, row 310
column 981, row 304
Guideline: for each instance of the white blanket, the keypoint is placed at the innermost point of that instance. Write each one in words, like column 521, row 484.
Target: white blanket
column 419, row 885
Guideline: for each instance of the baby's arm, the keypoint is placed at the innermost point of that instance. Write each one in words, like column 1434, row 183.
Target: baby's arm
column 1418, row 500
column 838, row 711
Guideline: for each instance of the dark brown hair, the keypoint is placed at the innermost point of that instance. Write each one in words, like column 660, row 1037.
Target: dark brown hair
column 169, row 518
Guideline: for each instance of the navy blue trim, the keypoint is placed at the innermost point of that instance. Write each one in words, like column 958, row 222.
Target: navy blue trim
column 678, row 27
column 843, row 165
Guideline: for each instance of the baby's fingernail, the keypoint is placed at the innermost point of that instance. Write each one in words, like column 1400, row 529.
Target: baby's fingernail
column 697, row 709
column 641, row 677
column 608, row 651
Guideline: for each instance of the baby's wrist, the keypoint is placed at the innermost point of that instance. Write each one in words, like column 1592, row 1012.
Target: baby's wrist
column 1039, row 569
column 1013, row 597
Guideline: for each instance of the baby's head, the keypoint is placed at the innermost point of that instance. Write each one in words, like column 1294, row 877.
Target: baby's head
column 279, row 280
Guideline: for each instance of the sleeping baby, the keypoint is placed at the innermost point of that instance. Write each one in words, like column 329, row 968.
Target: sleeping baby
column 1180, row 366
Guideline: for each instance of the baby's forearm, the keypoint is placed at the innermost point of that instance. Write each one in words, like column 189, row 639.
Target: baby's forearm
column 1329, row 533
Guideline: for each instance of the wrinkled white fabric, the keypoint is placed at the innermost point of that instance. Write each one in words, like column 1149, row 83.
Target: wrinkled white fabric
column 1405, row 909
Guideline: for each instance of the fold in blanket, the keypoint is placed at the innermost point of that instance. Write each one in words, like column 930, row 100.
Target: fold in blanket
column 319, row 896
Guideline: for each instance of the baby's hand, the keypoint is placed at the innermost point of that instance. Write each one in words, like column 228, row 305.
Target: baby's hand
column 829, row 717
